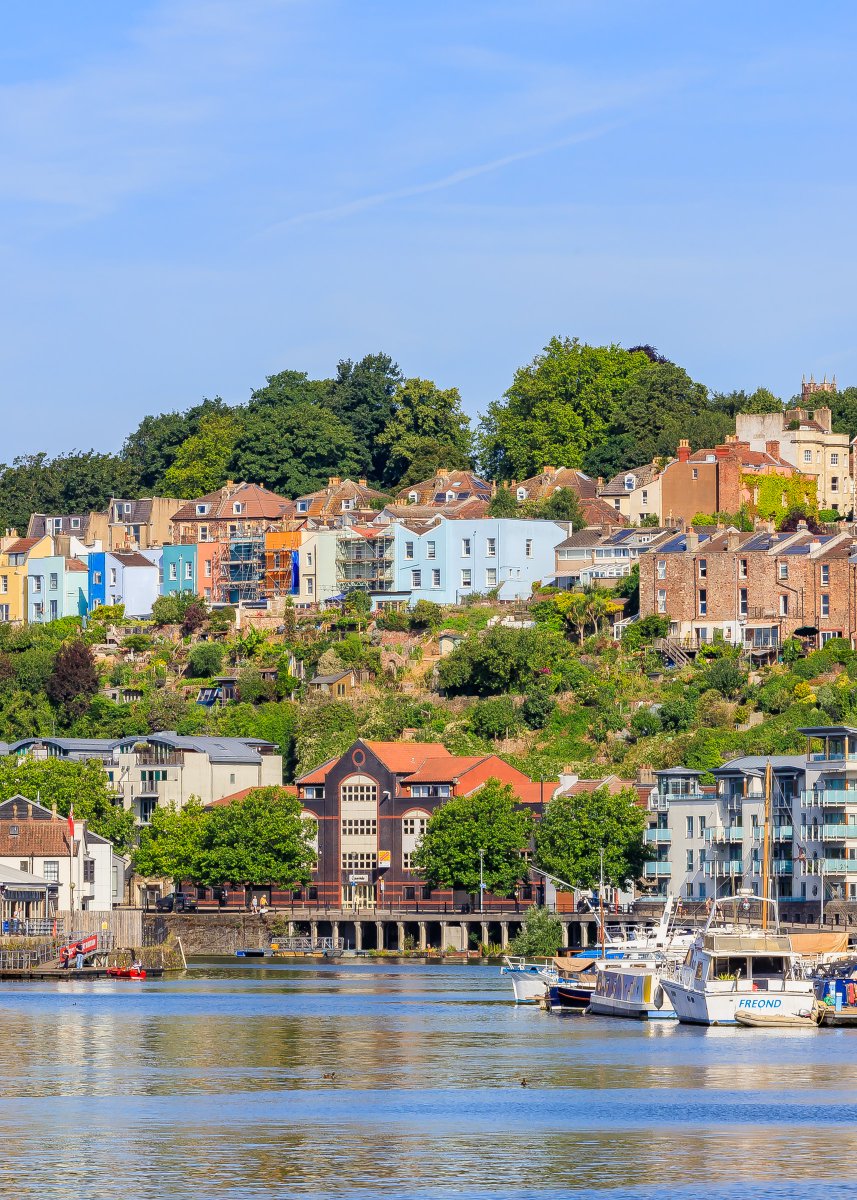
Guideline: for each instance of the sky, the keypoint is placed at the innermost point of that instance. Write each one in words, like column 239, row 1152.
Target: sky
column 196, row 194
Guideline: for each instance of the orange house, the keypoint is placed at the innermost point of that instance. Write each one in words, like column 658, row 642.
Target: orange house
column 280, row 570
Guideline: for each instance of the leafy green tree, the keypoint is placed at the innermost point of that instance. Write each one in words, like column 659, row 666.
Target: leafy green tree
column 557, row 408
column 537, row 708
column 363, row 397
column 645, row 723
column 427, row 429
column 495, row 717
column 202, row 461
column 725, row 676
column 541, row 935
column 204, row 660
column 563, row 504
column 74, row 678
column 71, row 483
column 490, row 820
column 151, row 449
column 294, row 448
column 676, row 714
column 63, row 783
column 645, row 631
column 288, row 388
column 171, row 608
column 760, row 401
column 574, row 829
column 171, row 844
column 426, row 615
column 503, row 660
column 258, row 840
column 503, row 504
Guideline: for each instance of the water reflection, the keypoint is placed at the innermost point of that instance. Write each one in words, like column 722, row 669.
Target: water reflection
column 213, row 1084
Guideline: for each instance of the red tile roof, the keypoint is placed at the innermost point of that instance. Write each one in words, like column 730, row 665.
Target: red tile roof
column 245, row 792
column 404, row 757
column 22, row 545
column 258, row 504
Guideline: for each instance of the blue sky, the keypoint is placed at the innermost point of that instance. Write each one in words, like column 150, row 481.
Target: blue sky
column 199, row 193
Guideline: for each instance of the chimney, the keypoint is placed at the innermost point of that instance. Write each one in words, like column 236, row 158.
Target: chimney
column 802, row 527
column 547, row 470
column 54, row 808
column 361, row 483
column 724, row 450
column 567, row 778
column 773, row 448
column 691, row 541
column 683, row 451
column 645, row 776
column 600, row 481
column 733, row 539
column 29, row 809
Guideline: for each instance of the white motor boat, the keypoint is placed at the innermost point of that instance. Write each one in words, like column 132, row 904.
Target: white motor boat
column 632, row 988
column 741, row 962
column 531, row 981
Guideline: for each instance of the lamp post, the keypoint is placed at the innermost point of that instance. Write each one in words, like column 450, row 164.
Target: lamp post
column 481, row 880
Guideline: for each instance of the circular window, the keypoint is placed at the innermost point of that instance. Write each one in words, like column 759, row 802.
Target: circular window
column 358, row 758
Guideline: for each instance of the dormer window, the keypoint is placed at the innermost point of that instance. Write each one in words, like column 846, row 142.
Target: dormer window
column 237, row 508
column 127, row 508
column 629, row 483
column 450, row 496
column 303, row 505
column 347, row 505
column 201, row 510
column 413, row 497
column 521, row 494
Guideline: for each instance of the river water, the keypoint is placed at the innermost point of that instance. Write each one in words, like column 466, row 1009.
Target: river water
column 263, row 1081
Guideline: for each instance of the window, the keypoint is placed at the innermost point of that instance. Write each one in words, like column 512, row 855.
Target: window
column 37, row 583
column 465, row 547
column 53, row 581
column 14, row 830
column 662, row 568
column 203, row 533
column 51, row 870
column 4, row 584
column 409, row 550
column 742, row 568
column 702, row 826
column 491, row 548
column 360, row 791
column 207, row 568
column 617, row 504
column 359, row 827
column 414, row 826
column 688, row 821
column 309, row 558
column 702, row 566
column 644, row 499
column 690, row 860
column 75, row 522
column 435, row 577
column 807, row 456
column 188, row 571
column 112, row 576
column 89, row 870
column 174, row 572
column 303, row 506
column 784, row 605
column 825, row 604
column 310, row 586
column 834, row 483
column 413, row 497
column 416, row 579
column 4, row 612
column 490, row 577
column 359, row 860
column 742, row 602
column 662, row 600
column 528, row 548
column 237, row 508
column 694, row 472
column 703, row 602
column 54, row 609
column 466, row 578
column 431, row 549
column 825, row 574
column 782, row 570
column 409, row 893
column 834, row 460
column 521, row 495
column 201, row 510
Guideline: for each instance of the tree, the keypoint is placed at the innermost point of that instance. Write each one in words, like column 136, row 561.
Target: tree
column 74, row 679
column 71, row 483
column 61, row 782
column 761, row 401
column 448, row 854
column 557, row 408
column 171, row 608
column 503, row 660
column 294, row 447
column 362, row 396
column 574, row 829
column 541, row 935
column 171, row 844
column 725, row 676
column 427, row 429
column 537, row 708
column 503, row 504
column 258, row 840
column 426, row 615
column 202, row 460
column 494, row 718
column 563, row 504
column 204, row 660
column 151, row 449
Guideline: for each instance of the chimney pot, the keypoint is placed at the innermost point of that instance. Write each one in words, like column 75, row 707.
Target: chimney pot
column 683, row 451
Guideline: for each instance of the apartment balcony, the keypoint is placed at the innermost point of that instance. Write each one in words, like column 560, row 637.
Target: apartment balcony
column 783, row 866
column 724, row 835
column 840, row 866
column 839, row 832
column 658, row 836
column 145, row 758
column 831, row 798
column 779, row 833
column 655, row 870
column 722, row 868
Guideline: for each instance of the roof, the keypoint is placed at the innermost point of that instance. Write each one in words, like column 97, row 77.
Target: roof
column 289, row 788
column 75, row 564
column 332, row 678
column 551, row 479
column 131, row 558
column 225, row 749
column 11, row 877
column 94, row 746
column 584, row 538
column 758, row 762
column 642, row 477
column 39, row 831
column 23, row 545
column 258, row 504
column 595, row 509
column 445, row 768
column 404, row 757
column 464, row 485
column 328, row 501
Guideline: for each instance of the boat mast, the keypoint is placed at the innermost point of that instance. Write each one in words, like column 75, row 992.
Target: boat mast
column 601, row 899
column 766, row 845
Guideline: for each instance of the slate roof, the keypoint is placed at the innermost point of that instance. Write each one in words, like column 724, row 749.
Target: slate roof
column 642, row 477
column 551, row 479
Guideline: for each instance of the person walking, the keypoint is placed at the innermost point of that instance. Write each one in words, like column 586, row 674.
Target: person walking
column 79, row 956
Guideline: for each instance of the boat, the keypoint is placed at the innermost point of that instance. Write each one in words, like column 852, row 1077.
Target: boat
column 740, row 962
column 126, row 973
column 809, row 1018
column 306, row 947
column 575, row 983
column 530, row 981
column 250, row 953
column 632, row 989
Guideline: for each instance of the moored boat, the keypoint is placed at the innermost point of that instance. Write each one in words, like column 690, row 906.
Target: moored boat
column 632, row 989
column 126, row 973
column 809, row 1018
column 530, row 980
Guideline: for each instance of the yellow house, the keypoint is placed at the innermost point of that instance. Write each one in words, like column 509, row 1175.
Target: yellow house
column 14, row 555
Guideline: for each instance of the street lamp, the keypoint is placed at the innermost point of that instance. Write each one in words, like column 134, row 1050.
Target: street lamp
column 481, row 880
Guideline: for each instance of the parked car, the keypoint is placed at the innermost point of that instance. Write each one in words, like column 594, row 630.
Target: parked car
column 176, row 902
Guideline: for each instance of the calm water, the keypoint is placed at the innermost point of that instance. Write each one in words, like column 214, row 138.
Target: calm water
column 212, row 1084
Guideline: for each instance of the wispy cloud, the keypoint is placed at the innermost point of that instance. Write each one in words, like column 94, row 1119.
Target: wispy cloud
column 376, row 199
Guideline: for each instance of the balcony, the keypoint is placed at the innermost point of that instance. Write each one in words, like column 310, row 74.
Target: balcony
column 839, row 832
column 658, row 836
column 715, row 868
column 831, row 798
column 779, row 833
column 653, row 870
column 724, row 835
column 840, row 866
column 783, row 866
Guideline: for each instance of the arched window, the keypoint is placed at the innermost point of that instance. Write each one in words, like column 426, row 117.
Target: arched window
column 414, row 824
column 521, row 494
column 309, row 816
column 358, row 789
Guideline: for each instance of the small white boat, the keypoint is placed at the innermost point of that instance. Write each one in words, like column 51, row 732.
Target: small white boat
column 632, row 989
column 740, row 963
column 809, row 1018
column 530, row 981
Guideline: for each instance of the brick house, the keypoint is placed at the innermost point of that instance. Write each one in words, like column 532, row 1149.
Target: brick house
column 806, row 439
column 712, row 481
column 235, row 510
column 444, row 488
column 753, row 589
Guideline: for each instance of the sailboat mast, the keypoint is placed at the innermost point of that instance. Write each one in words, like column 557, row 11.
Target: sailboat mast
column 766, row 844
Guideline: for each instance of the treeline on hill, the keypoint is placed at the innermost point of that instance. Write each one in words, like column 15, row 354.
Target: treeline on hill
column 600, row 408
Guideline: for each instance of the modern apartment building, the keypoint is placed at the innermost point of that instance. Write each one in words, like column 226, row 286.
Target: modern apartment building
column 708, row 841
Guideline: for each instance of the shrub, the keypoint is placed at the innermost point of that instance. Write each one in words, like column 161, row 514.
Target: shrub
column 639, row 633
column 204, row 660
column 137, row 642
column 494, row 718
column 646, row 722
column 725, row 676
column 537, row 708
column 393, row 620
column 426, row 615
column 677, row 715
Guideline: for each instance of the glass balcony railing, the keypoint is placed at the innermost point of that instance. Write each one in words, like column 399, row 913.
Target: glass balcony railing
column 783, row 866
column 723, row 835
column 840, row 866
column 840, row 831
column 830, row 798
column 723, row 867
column 658, row 835
column 655, row 869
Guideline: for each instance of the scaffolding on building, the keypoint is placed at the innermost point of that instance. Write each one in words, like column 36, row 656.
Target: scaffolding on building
column 365, row 562
column 238, row 568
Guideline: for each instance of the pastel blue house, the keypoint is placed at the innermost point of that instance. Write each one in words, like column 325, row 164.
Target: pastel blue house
column 131, row 578
column 453, row 559
column 179, row 570
column 56, row 587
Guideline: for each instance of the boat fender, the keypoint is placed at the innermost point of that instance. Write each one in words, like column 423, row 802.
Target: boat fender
column 659, row 997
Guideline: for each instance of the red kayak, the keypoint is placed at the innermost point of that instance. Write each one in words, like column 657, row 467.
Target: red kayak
column 125, row 973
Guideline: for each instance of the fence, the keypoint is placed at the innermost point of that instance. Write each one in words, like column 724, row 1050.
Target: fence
column 124, row 924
